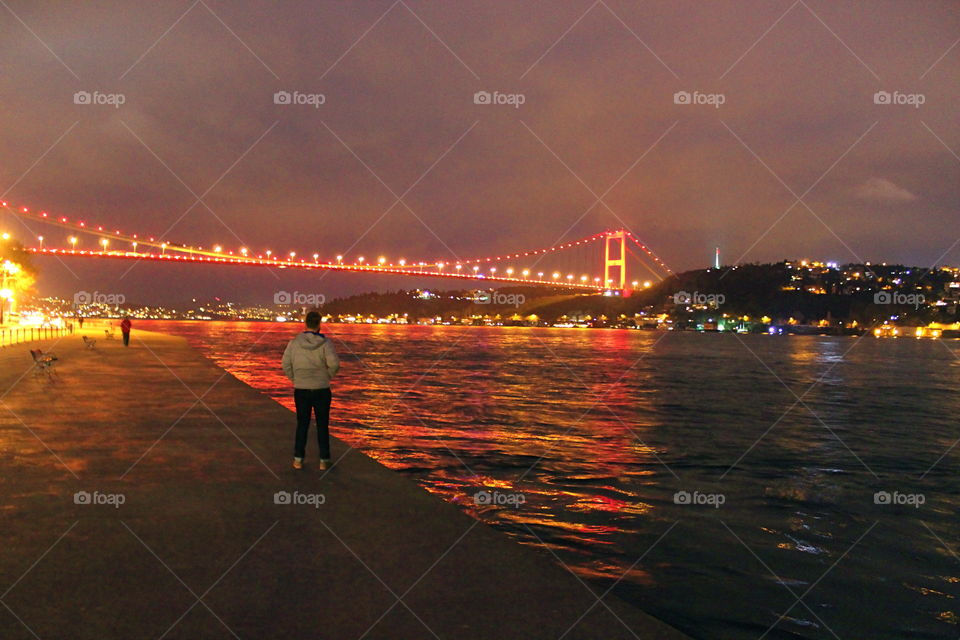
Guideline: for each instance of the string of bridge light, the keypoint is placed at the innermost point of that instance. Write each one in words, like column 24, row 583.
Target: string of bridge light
column 650, row 253
column 136, row 240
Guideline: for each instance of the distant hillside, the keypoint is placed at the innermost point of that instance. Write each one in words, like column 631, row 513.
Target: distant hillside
column 805, row 293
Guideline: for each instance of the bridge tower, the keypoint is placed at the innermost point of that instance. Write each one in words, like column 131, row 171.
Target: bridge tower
column 618, row 262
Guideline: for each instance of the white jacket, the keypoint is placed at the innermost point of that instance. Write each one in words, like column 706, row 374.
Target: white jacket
column 310, row 361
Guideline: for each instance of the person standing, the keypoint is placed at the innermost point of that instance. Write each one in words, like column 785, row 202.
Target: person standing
column 125, row 330
column 310, row 362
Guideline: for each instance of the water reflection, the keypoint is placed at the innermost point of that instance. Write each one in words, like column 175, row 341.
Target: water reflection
column 599, row 429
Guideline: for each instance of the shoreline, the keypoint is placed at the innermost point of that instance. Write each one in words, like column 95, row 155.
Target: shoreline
column 200, row 459
column 904, row 331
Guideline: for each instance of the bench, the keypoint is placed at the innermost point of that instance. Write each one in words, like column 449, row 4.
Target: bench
column 43, row 363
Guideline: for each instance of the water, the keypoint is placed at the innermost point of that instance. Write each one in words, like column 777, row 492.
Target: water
column 598, row 430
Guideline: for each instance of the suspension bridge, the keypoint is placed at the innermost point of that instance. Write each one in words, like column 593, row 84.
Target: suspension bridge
column 610, row 251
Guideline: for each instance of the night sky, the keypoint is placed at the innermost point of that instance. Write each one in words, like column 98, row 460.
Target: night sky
column 199, row 151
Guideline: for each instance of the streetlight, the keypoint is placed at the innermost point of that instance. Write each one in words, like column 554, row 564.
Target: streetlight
column 403, row 261
column 5, row 236
column 382, row 260
column 217, row 248
column 40, row 238
column 73, row 242
column 339, row 259
column 104, row 242
column 134, row 247
column 316, row 257
column 5, row 294
column 163, row 248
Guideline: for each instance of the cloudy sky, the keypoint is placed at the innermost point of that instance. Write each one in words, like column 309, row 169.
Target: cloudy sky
column 784, row 148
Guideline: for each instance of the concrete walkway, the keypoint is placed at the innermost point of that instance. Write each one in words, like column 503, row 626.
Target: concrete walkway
column 140, row 500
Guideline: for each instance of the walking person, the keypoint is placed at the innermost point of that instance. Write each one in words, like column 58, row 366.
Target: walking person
column 310, row 361
column 125, row 330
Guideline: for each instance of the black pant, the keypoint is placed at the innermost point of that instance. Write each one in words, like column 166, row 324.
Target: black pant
column 126, row 338
column 312, row 401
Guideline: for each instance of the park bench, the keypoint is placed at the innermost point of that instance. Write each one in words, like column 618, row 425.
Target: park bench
column 43, row 363
column 90, row 343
